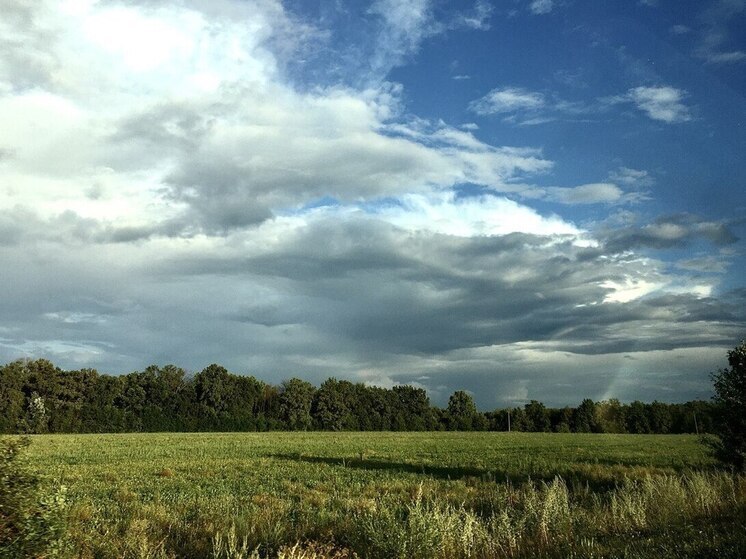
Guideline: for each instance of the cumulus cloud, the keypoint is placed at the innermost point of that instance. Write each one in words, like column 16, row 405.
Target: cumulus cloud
column 661, row 103
column 201, row 131
column 187, row 188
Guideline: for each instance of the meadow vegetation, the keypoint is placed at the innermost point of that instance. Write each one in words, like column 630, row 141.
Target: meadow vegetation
column 383, row 495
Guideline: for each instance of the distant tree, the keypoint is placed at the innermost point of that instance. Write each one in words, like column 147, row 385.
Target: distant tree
column 537, row 417
column 730, row 401
column 100, row 412
column 414, row 405
column 518, row 420
column 37, row 418
column 637, row 418
column 379, row 405
column 584, row 417
column 562, row 419
column 329, row 408
column 12, row 398
column 461, row 411
column 660, row 418
column 212, row 386
column 480, row 422
column 295, row 399
column 694, row 417
column 610, row 416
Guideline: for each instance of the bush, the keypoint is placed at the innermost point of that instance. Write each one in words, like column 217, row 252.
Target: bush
column 31, row 524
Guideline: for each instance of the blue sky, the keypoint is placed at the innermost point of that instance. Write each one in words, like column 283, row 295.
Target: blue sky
column 527, row 199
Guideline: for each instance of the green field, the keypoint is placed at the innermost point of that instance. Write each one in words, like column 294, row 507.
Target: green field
column 392, row 495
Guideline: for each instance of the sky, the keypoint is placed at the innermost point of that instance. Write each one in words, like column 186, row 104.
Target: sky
column 525, row 199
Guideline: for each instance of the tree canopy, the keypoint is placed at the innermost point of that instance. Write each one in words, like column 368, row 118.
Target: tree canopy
column 37, row 397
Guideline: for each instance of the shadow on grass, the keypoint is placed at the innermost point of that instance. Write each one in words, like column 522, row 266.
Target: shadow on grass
column 596, row 483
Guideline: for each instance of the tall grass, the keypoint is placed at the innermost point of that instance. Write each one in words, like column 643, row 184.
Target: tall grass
column 534, row 520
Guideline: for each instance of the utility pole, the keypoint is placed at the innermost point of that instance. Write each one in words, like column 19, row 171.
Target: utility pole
column 696, row 428
column 508, row 420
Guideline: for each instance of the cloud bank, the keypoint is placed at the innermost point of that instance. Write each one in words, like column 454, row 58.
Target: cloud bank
column 169, row 192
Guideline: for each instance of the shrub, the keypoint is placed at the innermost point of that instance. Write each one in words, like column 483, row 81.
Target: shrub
column 31, row 523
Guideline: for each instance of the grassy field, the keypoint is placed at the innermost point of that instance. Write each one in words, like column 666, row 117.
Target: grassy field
column 383, row 495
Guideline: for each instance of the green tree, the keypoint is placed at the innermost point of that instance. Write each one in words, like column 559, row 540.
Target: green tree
column 12, row 399
column 414, row 405
column 461, row 411
column 37, row 418
column 537, row 417
column 730, row 402
column 610, row 416
column 637, row 418
column 295, row 400
column 562, row 419
column 660, row 417
column 329, row 407
column 584, row 417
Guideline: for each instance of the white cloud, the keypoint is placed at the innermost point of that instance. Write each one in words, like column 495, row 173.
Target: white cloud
column 596, row 193
column 407, row 24
column 478, row 18
column 632, row 178
column 508, row 100
column 541, row 7
column 719, row 20
column 196, row 123
column 527, row 108
column 661, row 103
column 471, row 216
column 629, row 290
column 727, row 57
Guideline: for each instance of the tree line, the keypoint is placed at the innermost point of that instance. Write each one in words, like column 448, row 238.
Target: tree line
column 38, row 397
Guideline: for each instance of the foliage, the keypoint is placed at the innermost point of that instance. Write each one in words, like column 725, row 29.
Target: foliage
column 461, row 411
column 31, row 523
column 37, row 397
column 730, row 399
column 296, row 397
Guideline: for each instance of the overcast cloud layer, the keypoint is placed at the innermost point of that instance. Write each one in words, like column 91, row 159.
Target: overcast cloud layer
column 389, row 192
